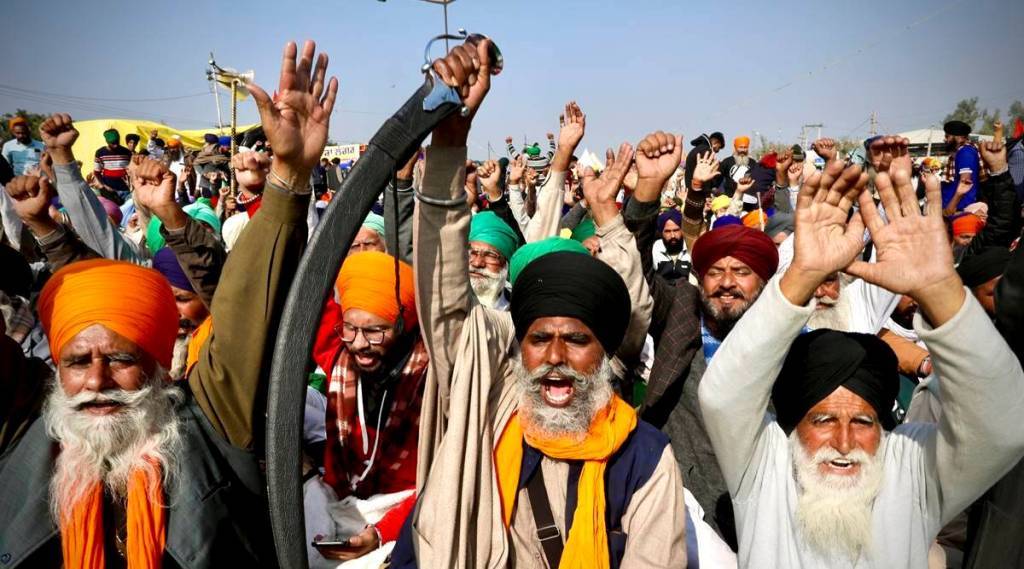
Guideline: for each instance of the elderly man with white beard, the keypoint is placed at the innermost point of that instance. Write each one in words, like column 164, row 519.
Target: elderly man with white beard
column 533, row 460
column 123, row 468
column 829, row 481
column 491, row 244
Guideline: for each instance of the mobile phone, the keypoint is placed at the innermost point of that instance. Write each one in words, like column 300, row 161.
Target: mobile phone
column 329, row 543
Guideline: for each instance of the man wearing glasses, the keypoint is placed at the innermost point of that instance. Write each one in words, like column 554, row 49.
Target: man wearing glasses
column 370, row 345
column 491, row 244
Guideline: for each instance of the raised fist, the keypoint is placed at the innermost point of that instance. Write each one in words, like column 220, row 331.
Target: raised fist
column 251, row 169
column 826, row 148
column 657, row 156
column 58, row 132
column 31, row 197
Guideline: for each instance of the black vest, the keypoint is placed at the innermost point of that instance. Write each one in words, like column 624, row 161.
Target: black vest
column 217, row 505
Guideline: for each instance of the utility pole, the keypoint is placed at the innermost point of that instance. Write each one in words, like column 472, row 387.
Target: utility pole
column 873, row 131
column 803, row 132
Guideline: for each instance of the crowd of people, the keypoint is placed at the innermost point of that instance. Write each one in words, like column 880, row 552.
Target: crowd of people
column 810, row 358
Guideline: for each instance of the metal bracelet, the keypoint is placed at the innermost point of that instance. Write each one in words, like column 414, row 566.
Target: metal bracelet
column 451, row 203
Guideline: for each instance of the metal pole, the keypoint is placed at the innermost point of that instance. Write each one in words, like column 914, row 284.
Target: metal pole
column 446, row 27
column 234, row 125
column 216, row 97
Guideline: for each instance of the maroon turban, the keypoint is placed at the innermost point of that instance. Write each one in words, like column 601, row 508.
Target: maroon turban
column 750, row 246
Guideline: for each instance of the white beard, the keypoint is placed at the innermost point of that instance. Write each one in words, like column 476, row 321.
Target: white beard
column 143, row 434
column 591, row 393
column 179, row 359
column 489, row 287
column 833, row 511
column 838, row 315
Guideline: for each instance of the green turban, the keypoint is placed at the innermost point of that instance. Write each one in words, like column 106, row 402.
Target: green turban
column 584, row 230
column 197, row 211
column 487, row 227
column 111, row 136
column 374, row 222
column 532, row 251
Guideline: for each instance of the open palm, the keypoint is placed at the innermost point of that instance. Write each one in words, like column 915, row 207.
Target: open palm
column 825, row 242
column 912, row 248
column 296, row 120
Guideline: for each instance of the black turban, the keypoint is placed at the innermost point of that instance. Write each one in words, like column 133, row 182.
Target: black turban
column 957, row 128
column 576, row 286
column 821, row 361
column 978, row 269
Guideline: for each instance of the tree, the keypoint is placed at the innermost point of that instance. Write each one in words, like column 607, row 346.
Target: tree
column 966, row 111
column 34, row 120
column 988, row 121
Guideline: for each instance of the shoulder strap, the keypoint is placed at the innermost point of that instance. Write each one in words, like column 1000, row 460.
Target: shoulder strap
column 547, row 532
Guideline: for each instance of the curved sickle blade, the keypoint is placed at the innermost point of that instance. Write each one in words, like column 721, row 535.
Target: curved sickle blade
column 394, row 143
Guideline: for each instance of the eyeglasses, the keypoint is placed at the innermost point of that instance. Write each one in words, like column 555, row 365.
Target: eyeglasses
column 491, row 258
column 373, row 336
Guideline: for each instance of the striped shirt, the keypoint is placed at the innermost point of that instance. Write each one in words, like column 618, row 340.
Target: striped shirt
column 113, row 163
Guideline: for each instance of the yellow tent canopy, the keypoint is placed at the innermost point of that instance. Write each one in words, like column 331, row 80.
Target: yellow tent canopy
column 91, row 136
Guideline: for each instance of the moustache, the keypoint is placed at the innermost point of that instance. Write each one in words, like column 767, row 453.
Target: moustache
column 560, row 372
column 83, row 399
column 734, row 292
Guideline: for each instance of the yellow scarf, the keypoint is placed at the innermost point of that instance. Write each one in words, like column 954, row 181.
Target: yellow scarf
column 81, row 531
column 587, row 543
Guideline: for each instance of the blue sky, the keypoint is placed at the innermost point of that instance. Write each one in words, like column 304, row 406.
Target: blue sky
column 634, row 66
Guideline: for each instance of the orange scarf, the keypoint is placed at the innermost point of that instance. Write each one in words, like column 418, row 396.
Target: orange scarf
column 82, row 531
column 587, row 543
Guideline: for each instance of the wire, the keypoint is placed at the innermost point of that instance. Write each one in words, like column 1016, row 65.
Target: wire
column 101, row 100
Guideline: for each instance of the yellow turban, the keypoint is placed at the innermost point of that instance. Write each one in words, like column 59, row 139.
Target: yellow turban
column 367, row 281
column 720, row 202
column 741, row 141
column 130, row 300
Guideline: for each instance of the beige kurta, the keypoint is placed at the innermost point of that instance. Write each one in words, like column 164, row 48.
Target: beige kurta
column 470, row 397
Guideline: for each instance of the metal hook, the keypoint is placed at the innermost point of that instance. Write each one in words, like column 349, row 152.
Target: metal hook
column 441, row 93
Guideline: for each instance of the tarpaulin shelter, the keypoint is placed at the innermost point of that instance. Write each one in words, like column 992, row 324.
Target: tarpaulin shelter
column 91, row 135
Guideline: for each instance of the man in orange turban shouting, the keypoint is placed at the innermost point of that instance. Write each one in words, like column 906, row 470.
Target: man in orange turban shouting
column 376, row 363
column 122, row 468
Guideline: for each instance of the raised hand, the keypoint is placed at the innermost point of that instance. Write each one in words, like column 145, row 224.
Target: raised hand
column 744, row 184
column 997, row 132
column 516, row 168
column 782, row 164
column 914, row 256
column 825, row 242
column 467, row 68
column 573, row 126
column 964, row 187
column 884, row 148
column 706, row 168
column 489, row 173
column 251, row 169
column 31, row 197
column 154, row 191
column 826, row 148
column 297, row 118
column 508, row 140
column 59, row 135
column 600, row 192
column 657, row 157
column 551, row 136
column 993, row 154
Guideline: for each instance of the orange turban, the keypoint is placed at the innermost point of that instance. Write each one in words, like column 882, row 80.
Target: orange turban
column 754, row 219
column 741, row 141
column 967, row 223
column 16, row 121
column 367, row 281
column 130, row 300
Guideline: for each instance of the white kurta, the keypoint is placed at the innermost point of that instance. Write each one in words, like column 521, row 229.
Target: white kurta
column 930, row 472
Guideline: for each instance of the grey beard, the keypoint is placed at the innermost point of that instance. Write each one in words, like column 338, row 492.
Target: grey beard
column 834, row 513
column 742, row 160
column 591, row 393
column 143, row 434
column 488, row 290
